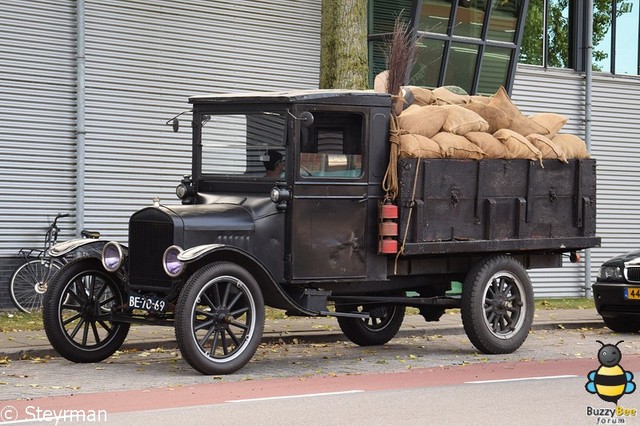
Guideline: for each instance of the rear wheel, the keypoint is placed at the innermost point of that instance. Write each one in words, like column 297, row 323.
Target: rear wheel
column 28, row 283
column 622, row 324
column 219, row 318
column 77, row 308
column 497, row 305
column 382, row 325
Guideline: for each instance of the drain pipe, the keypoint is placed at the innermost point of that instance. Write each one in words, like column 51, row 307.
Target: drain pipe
column 587, row 119
column 80, row 116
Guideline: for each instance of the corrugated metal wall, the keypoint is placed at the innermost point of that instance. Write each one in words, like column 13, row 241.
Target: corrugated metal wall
column 615, row 143
column 143, row 59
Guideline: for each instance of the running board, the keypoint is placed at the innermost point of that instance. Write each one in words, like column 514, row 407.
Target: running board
column 345, row 314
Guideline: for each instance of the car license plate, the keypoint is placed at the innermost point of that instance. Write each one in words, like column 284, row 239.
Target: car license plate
column 632, row 293
column 147, row 303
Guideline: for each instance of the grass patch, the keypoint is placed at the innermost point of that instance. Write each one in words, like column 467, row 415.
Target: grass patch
column 569, row 303
column 19, row 321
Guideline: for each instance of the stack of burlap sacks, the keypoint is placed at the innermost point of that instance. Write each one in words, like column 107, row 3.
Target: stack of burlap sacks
column 442, row 124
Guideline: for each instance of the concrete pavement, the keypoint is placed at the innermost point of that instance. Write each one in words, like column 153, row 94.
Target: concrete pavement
column 20, row 344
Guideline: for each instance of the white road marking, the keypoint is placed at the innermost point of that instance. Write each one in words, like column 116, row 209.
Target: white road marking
column 307, row 395
column 521, row 379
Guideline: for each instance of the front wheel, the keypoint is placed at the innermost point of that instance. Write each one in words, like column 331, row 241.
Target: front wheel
column 497, row 305
column 28, row 283
column 77, row 312
column 219, row 318
column 382, row 325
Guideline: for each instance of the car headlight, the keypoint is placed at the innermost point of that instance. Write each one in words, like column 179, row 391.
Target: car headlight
column 610, row 273
column 112, row 256
column 170, row 262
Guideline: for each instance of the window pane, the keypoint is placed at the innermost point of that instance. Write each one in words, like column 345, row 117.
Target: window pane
column 494, row 69
column 469, row 20
column 602, row 13
column 426, row 69
column 503, row 20
column 533, row 37
column 558, row 33
column 434, row 16
column 462, row 65
column 626, row 46
column 385, row 13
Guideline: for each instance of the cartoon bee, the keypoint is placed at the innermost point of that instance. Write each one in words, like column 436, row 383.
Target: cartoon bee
column 610, row 381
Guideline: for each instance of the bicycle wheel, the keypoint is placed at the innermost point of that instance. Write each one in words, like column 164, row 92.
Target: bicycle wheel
column 27, row 285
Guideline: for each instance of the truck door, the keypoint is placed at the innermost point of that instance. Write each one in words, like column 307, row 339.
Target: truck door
column 329, row 198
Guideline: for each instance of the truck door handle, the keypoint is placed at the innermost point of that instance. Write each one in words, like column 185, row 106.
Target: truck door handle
column 364, row 198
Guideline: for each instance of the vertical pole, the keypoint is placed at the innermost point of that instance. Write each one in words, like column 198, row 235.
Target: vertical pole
column 587, row 117
column 80, row 116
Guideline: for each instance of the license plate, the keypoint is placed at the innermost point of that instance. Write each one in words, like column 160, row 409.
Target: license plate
column 632, row 293
column 147, row 303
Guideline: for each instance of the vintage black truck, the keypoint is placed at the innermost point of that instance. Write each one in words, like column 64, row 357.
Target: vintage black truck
column 285, row 207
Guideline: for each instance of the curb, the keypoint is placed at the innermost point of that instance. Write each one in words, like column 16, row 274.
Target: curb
column 302, row 337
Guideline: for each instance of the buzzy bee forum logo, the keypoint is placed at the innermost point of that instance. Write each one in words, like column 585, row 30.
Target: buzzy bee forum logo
column 610, row 382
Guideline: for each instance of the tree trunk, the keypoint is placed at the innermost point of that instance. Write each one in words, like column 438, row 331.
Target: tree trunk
column 343, row 55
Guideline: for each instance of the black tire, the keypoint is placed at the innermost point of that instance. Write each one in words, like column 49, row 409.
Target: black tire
column 497, row 305
column 622, row 324
column 382, row 326
column 219, row 318
column 27, row 286
column 77, row 308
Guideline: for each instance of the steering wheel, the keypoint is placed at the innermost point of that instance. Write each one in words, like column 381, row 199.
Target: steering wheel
column 306, row 171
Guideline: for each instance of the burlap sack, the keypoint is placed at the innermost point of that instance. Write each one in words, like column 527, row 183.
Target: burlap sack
column 444, row 96
column 519, row 122
column 479, row 99
column 421, row 95
column 491, row 146
column 550, row 121
column 518, row 145
column 456, row 146
column 573, row 146
column 496, row 118
column 461, row 120
column 549, row 149
column 381, row 81
column 418, row 146
column 425, row 121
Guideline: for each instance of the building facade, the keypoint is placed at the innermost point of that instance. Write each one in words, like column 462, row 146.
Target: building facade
column 87, row 87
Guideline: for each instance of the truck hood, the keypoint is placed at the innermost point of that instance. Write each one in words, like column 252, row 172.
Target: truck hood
column 215, row 217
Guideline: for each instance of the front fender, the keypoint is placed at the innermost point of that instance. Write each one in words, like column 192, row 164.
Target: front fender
column 198, row 252
column 89, row 246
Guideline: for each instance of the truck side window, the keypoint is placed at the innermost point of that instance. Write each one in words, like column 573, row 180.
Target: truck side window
column 332, row 146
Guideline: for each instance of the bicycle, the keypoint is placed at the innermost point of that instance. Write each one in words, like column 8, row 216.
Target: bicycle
column 29, row 281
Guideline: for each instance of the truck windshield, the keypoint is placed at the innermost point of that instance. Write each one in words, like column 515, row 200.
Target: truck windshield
column 246, row 144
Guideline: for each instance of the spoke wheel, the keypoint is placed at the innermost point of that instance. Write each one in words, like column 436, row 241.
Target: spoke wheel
column 497, row 305
column 28, row 286
column 382, row 326
column 219, row 318
column 77, row 308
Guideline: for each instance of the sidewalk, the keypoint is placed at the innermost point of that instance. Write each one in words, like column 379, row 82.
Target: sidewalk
column 16, row 345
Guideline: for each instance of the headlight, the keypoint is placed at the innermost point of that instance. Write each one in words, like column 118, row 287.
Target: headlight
column 182, row 191
column 172, row 266
column 112, row 256
column 610, row 273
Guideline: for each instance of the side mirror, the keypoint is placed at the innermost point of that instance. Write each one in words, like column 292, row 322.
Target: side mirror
column 307, row 119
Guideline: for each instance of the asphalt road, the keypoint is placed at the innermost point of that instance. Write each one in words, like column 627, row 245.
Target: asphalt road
column 157, row 384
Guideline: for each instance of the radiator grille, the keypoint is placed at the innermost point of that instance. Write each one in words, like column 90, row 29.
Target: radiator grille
column 633, row 274
column 147, row 242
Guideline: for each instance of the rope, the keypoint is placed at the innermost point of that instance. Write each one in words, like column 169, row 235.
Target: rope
column 390, row 180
